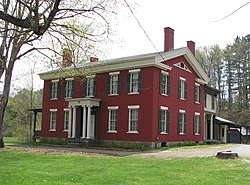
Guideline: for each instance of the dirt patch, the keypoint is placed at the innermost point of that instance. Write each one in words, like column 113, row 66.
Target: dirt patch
column 44, row 150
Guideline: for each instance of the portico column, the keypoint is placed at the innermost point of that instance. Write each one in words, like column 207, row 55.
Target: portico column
column 84, row 123
column 88, row 122
column 70, row 122
column 205, row 126
column 211, row 127
column 74, row 123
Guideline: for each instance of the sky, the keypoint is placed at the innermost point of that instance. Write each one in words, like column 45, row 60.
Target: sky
column 191, row 19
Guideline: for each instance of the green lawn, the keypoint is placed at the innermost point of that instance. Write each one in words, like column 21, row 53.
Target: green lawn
column 19, row 168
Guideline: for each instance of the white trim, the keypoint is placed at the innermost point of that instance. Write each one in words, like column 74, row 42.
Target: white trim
column 164, row 108
column 196, row 84
column 113, row 107
column 133, row 106
column 114, row 73
column 184, row 79
column 182, row 111
column 200, row 81
column 164, row 133
column 197, row 114
column 133, row 132
column 134, row 70
column 90, row 76
column 68, row 79
column 66, row 109
column 164, row 72
column 52, row 130
column 55, row 80
column 133, row 93
column 52, row 110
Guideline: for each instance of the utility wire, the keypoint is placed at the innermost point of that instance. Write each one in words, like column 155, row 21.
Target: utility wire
column 232, row 12
column 137, row 20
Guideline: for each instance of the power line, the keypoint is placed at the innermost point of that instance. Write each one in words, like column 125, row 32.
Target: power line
column 232, row 12
column 138, row 22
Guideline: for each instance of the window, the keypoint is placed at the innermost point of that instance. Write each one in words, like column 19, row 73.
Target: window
column 52, row 119
column 113, row 86
column 182, row 66
column 197, row 124
column 66, row 119
column 213, row 102
column 54, row 89
column 164, row 83
column 133, row 119
column 134, row 82
column 197, row 93
column 164, row 121
column 182, row 89
column 90, row 87
column 182, row 122
column 69, row 88
column 205, row 100
column 112, row 119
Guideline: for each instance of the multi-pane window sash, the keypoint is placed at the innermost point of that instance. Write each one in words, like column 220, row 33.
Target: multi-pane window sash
column 182, row 89
column 69, row 89
column 113, row 85
column 165, row 84
column 54, row 90
column 53, row 120
column 182, row 123
column 197, row 124
column 197, row 94
column 133, row 120
column 66, row 120
column 112, row 120
column 90, row 87
column 164, row 121
column 134, row 82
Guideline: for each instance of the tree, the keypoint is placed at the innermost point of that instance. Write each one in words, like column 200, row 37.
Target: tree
column 26, row 24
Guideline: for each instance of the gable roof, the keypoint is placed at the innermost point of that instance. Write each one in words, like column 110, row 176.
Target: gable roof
column 131, row 62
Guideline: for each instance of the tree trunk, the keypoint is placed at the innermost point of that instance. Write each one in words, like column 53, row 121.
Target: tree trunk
column 6, row 90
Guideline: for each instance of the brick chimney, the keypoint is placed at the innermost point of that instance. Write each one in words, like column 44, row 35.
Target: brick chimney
column 67, row 58
column 191, row 46
column 93, row 59
column 168, row 39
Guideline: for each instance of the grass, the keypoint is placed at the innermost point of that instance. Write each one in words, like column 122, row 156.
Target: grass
column 35, row 168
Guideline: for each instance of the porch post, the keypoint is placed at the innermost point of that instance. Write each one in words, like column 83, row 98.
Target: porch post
column 70, row 121
column 205, row 126
column 212, row 127
column 74, row 123
column 88, row 122
column 84, row 123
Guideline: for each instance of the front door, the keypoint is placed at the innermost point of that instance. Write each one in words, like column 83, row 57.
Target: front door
column 92, row 127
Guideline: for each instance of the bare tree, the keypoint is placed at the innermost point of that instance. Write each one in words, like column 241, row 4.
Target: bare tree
column 26, row 25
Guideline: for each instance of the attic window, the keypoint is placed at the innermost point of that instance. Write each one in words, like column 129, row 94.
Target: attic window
column 182, row 66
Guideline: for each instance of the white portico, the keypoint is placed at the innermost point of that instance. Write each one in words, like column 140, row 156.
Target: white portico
column 88, row 120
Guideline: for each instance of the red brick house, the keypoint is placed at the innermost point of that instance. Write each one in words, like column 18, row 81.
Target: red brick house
column 146, row 100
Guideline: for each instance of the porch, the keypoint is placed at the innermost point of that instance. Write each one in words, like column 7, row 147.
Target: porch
column 83, row 115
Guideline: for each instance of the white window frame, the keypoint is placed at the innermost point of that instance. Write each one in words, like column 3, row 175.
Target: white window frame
column 66, row 120
column 54, row 89
column 197, row 123
column 112, row 120
column 52, row 125
column 165, row 75
column 182, row 86
column 197, row 95
column 182, row 130
column 114, row 82
column 163, row 122
column 133, row 109
column 69, row 88
column 90, row 87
